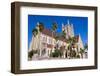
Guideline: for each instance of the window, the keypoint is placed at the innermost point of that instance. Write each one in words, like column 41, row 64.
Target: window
column 50, row 41
column 44, row 39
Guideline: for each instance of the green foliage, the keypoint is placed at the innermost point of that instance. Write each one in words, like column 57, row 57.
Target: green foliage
column 78, row 56
column 81, row 50
column 31, row 53
column 70, row 40
column 73, row 54
column 63, row 34
column 56, row 53
column 41, row 26
column 54, row 26
column 35, row 32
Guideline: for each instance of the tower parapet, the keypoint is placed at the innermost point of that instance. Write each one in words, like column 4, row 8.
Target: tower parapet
column 69, row 30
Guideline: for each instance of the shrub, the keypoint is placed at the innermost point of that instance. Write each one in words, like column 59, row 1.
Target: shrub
column 56, row 53
column 78, row 56
column 31, row 53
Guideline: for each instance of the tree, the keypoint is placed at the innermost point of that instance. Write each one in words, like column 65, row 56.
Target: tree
column 71, row 41
column 82, row 51
column 64, row 34
column 39, row 29
column 54, row 28
column 31, row 53
column 78, row 56
column 73, row 54
column 56, row 37
column 41, row 26
column 35, row 32
column 56, row 53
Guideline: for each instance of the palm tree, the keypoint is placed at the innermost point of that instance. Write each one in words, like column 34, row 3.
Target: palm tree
column 41, row 26
column 64, row 34
column 38, row 30
column 82, row 51
column 71, row 42
column 30, row 54
column 54, row 28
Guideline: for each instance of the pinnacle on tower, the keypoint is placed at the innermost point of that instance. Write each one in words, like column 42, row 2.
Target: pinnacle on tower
column 62, row 26
column 37, row 23
column 68, row 22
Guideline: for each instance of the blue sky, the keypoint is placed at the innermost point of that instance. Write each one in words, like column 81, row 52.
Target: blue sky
column 80, row 24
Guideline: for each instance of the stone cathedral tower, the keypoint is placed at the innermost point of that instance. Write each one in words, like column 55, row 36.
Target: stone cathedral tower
column 68, row 28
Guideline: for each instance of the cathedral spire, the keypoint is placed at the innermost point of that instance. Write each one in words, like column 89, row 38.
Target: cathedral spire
column 37, row 23
column 68, row 22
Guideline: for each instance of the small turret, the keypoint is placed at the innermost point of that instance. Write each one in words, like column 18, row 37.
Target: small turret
column 63, row 27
